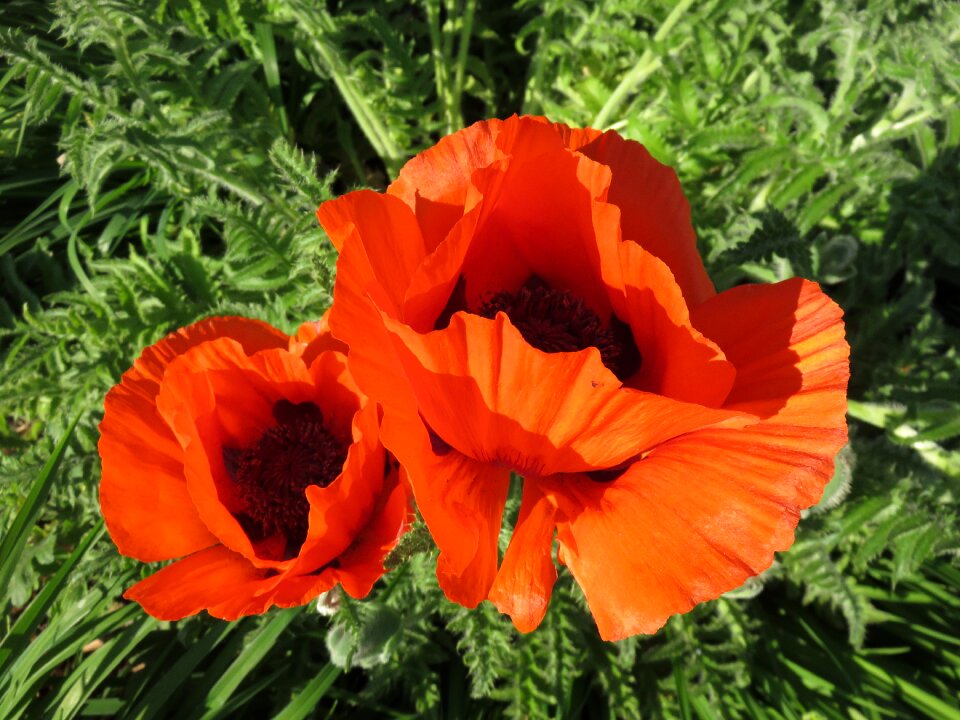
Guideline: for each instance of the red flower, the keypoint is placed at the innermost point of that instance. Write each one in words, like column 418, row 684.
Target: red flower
column 255, row 456
column 529, row 298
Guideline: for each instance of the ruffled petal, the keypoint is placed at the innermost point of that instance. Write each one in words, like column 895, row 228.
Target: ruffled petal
column 537, row 219
column 355, row 319
column 340, row 398
column 434, row 183
column 437, row 183
column 678, row 361
column 703, row 512
column 655, row 213
column 380, row 244
column 143, row 494
column 252, row 335
column 489, row 394
column 787, row 343
column 525, row 581
column 362, row 564
column 216, row 396
column 461, row 501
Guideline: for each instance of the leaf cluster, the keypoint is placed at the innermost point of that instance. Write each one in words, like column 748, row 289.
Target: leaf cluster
column 161, row 161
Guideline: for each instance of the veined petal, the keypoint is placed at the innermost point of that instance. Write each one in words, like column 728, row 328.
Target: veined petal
column 380, row 244
column 216, row 579
column 703, row 512
column 362, row 564
column 537, row 219
column 215, row 396
column 434, row 184
column 339, row 511
column 787, row 341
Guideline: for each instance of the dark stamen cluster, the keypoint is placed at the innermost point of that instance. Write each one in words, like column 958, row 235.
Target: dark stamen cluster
column 558, row 321
column 272, row 476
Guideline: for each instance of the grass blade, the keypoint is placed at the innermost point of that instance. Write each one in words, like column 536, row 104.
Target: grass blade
column 167, row 687
column 16, row 537
column 249, row 658
column 27, row 623
column 303, row 704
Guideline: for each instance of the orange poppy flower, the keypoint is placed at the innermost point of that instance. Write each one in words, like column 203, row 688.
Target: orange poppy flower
column 254, row 456
column 529, row 298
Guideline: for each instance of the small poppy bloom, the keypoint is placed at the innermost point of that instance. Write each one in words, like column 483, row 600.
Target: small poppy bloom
column 253, row 457
column 528, row 298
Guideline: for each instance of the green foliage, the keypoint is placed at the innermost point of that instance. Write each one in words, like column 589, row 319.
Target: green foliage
column 161, row 161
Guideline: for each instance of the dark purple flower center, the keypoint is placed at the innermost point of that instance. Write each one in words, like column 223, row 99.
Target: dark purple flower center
column 555, row 321
column 271, row 477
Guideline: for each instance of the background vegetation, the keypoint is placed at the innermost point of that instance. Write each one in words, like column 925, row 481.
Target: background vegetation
column 161, row 161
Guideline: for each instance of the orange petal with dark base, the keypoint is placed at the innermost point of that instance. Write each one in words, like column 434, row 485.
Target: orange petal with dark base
column 537, row 219
column 705, row 511
column 495, row 398
column 143, row 493
column 341, row 510
column 678, row 361
column 215, row 396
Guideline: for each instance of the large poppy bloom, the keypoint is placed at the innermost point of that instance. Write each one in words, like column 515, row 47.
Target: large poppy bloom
column 253, row 457
column 529, row 298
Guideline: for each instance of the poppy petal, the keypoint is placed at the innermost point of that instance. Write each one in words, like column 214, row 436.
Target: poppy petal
column 435, row 182
column 655, row 213
column 341, row 398
column 252, row 335
column 787, row 342
column 437, row 278
column 313, row 338
column 678, row 361
column 495, row 398
column 361, row 565
column 707, row 510
column 358, row 569
column 339, row 511
column 213, row 396
column 525, row 581
column 381, row 238
column 461, row 501
column 216, row 579
column 537, row 219
column 355, row 319
column 143, row 494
